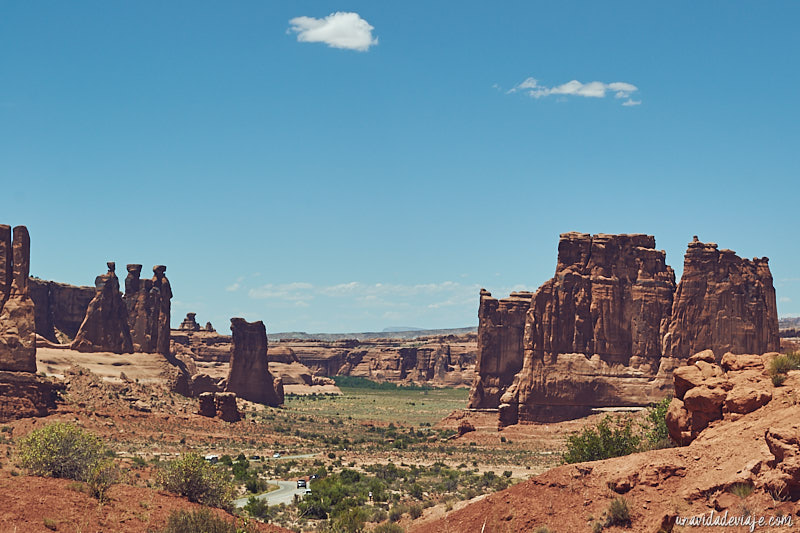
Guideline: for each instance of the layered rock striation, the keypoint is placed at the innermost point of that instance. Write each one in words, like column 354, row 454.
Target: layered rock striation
column 611, row 325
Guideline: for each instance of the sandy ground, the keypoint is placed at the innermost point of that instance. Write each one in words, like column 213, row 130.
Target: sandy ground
column 146, row 367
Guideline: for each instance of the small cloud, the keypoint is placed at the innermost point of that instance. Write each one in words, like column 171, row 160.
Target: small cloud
column 233, row 288
column 785, row 299
column 296, row 291
column 592, row 89
column 337, row 30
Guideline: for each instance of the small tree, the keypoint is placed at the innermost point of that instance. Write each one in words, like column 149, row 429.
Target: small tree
column 61, row 450
column 609, row 438
column 192, row 477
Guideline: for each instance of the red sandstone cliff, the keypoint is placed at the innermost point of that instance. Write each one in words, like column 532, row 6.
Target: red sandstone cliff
column 609, row 327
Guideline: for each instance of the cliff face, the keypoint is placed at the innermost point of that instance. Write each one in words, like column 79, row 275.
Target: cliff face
column 500, row 341
column 610, row 326
column 59, row 308
column 724, row 303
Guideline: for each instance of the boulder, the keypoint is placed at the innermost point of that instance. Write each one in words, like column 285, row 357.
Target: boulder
column 465, row 427
column 745, row 399
column 105, row 327
column 249, row 376
column 208, row 406
column 226, row 407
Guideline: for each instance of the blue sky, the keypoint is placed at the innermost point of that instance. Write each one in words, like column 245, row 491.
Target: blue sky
column 383, row 180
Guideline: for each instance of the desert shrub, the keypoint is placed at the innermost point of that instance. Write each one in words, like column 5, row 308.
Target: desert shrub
column 351, row 520
column 618, row 513
column 203, row 521
column 61, row 450
column 191, row 476
column 415, row 511
column 609, row 438
column 742, row 490
column 542, row 529
column 103, row 474
column 396, row 513
column 656, row 434
column 258, row 508
column 778, row 379
column 388, row 528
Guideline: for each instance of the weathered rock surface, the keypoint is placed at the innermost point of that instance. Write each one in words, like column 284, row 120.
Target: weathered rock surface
column 609, row 328
column 500, row 346
column 592, row 333
column 59, row 308
column 105, row 327
column 220, row 404
column 706, row 392
column 723, row 303
column 17, row 322
column 148, row 308
column 249, row 376
column 22, row 393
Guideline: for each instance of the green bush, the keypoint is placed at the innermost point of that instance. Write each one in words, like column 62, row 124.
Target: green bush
column 61, row 450
column 193, row 477
column 103, row 474
column 351, row 520
column 656, row 434
column 415, row 511
column 780, row 365
column 388, row 528
column 618, row 513
column 258, row 508
column 778, row 379
column 609, row 438
column 203, row 521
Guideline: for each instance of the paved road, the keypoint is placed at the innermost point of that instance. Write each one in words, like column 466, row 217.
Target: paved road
column 285, row 494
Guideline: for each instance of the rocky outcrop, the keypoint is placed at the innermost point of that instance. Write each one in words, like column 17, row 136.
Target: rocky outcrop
column 148, row 308
column 22, row 393
column 706, row 391
column 17, row 323
column 249, row 376
column 105, row 327
column 59, row 308
column 220, row 404
column 724, row 303
column 189, row 323
column 609, row 327
column 501, row 328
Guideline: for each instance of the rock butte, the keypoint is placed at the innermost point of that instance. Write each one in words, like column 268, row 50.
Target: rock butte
column 249, row 376
column 610, row 327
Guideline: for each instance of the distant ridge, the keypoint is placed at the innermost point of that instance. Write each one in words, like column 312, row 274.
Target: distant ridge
column 408, row 334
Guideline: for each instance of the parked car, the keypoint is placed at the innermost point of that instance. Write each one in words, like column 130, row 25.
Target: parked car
column 276, row 455
column 301, row 483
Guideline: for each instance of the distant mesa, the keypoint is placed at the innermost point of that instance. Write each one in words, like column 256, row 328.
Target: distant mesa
column 610, row 327
column 394, row 329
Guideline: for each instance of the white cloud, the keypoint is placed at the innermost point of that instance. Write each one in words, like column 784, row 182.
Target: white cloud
column 296, row 291
column 593, row 89
column 337, row 30
column 784, row 299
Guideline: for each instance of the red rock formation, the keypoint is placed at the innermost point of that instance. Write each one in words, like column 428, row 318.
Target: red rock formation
column 606, row 330
column 105, row 327
column 22, row 393
column 207, row 406
column 189, row 323
column 501, row 327
column 592, row 334
column 724, row 303
column 148, row 306
column 249, row 375
column 59, row 308
column 17, row 322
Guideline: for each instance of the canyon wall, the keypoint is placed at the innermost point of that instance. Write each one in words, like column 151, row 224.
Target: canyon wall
column 611, row 325
column 59, row 308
